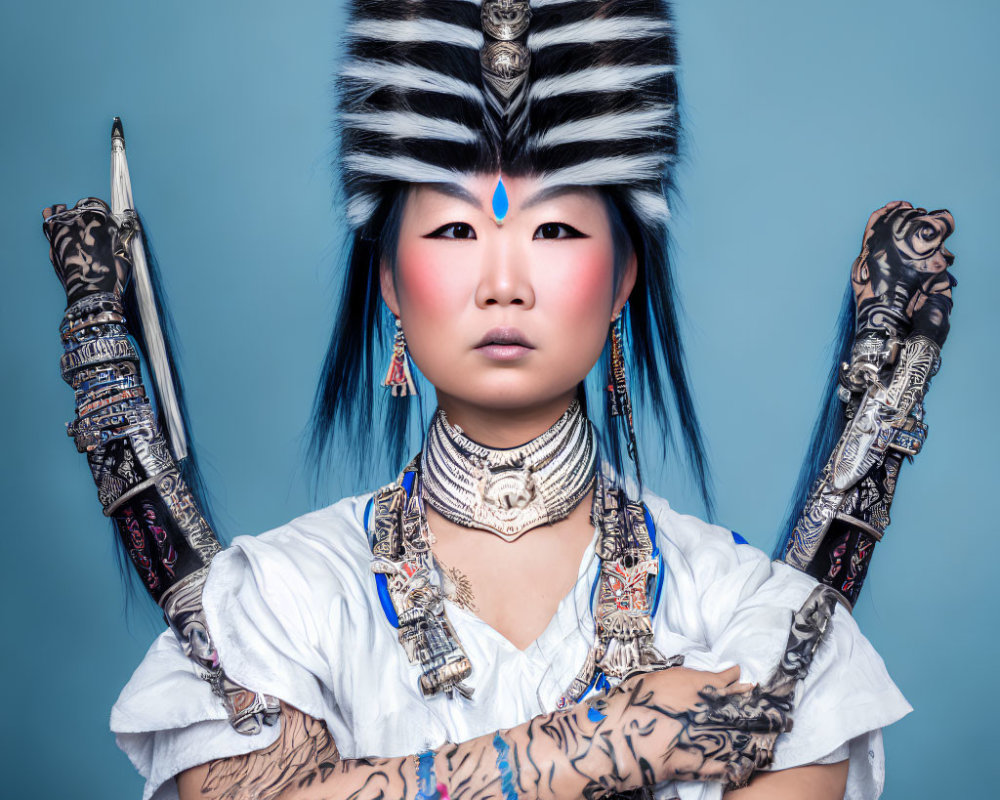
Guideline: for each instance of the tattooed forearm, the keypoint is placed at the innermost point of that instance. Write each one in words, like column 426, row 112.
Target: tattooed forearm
column 471, row 770
column 629, row 739
column 303, row 747
column 357, row 779
column 653, row 727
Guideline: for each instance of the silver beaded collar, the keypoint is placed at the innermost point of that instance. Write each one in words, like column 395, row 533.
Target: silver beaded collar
column 508, row 492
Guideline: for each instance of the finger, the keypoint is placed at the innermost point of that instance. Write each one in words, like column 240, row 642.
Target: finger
column 945, row 215
column 727, row 676
column 92, row 204
column 50, row 211
column 939, row 283
column 878, row 213
column 738, row 688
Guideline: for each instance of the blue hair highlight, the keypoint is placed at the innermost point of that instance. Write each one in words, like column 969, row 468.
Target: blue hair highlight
column 829, row 425
column 189, row 466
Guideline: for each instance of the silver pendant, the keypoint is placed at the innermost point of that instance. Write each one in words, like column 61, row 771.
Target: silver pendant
column 508, row 492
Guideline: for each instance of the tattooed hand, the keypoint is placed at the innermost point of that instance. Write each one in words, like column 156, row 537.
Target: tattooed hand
column 722, row 733
column 900, row 279
column 86, row 248
column 650, row 729
column 748, row 723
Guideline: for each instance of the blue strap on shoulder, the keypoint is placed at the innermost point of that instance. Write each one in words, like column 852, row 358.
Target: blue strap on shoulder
column 651, row 527
column 738, row 539
column 381, row 579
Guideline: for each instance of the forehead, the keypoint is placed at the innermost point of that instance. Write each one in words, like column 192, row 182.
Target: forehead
column 521, row 192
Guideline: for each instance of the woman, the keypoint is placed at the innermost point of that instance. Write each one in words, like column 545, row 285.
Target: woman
column 505, row 267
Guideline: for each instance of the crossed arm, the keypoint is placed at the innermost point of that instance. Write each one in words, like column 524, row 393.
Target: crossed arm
column 556, row 756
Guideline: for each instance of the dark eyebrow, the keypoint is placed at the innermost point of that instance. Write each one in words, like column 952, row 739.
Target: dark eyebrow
column 552, row 191
column 456, row 191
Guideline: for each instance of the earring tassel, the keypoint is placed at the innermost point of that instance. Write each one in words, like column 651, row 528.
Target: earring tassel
column 619, row 402
column 399, row 378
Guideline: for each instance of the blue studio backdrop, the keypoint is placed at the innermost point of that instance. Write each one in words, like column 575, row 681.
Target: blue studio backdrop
column 802, row 118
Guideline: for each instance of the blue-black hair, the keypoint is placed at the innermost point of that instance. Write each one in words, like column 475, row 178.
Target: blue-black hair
column 829, row 424
column 348, row 405
column 188, row 467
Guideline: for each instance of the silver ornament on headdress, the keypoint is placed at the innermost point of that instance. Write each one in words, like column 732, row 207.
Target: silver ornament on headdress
column 506, row 58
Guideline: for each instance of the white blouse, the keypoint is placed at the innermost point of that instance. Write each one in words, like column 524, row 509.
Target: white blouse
column 295, row 613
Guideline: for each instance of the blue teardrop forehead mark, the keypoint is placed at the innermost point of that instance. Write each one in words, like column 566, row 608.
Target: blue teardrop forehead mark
column 501, row 203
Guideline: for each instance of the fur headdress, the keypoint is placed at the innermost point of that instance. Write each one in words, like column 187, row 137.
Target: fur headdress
column 573, row 92
column 577, row 92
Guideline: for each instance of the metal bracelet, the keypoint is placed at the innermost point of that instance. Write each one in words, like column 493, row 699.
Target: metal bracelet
column 94, row 330
column 121, row 396
column 70, row 327
column 109, row 380
column 847, row 510
column 105, row 372
column 97, row 351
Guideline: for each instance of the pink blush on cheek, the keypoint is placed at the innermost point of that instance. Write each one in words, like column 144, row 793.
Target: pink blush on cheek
column 582, row 285
column 428, row 284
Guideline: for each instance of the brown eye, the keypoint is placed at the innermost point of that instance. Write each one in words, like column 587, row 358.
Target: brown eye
column 557, row 230
column 928, row 232
column 453, row 230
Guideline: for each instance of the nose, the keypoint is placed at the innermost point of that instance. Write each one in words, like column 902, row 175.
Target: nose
column 505, row 279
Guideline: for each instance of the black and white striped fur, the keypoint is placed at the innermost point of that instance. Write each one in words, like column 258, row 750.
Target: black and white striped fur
column 598, row 107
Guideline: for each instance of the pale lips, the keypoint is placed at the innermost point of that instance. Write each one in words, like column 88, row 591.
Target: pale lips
column 504, row 344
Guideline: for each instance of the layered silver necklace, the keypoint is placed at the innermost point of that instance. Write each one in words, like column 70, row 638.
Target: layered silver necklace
column 509, row 491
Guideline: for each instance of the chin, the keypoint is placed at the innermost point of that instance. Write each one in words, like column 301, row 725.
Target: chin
column 510, row 393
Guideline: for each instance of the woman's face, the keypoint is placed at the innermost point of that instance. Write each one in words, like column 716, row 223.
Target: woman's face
column 507, row 316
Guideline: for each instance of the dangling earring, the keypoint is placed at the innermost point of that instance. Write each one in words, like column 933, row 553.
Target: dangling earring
column 619, row 403
column 398, row 377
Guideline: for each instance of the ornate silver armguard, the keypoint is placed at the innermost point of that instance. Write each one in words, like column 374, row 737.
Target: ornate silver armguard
column 141, row 488
column 848, row 508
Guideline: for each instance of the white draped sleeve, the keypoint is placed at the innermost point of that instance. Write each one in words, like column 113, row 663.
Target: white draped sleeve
column 736, row 602
column 275, row 605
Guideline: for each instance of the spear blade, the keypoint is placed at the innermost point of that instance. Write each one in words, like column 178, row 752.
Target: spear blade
column 122, row 205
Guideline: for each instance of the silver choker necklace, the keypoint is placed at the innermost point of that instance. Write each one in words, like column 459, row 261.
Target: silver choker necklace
column 510, row 491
